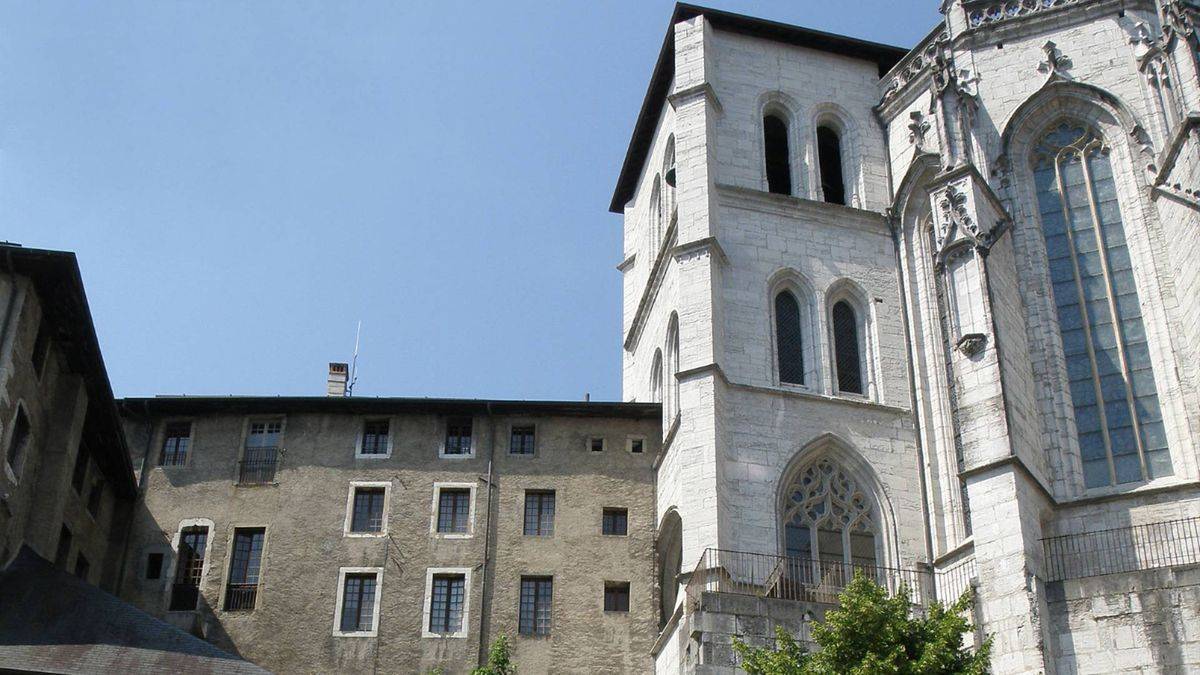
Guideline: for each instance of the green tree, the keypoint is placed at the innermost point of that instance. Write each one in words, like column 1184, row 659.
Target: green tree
column 873, row 634
column 498, row 662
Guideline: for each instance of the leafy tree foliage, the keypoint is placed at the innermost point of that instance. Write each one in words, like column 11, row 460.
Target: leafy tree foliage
column 498, row 662
column 873, row 634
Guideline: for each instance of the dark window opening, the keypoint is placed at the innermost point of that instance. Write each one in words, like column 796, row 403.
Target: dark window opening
column 18, row 440
column 616, row 522
column 597, row 444
column 241, row 592
column 788, row 341
column 845, row 342
column 458, row 436
column 375, row 437
column 520, row 442
column 176, row 439
column 637, row 445
column 41, row 350
column 64, row 548
column 775, row 144
column 446, row 605
column 81, row 566
column 367, row 515
column 829, row 154
column 454, row 511
column 537, row 595
column 154, row 565
column 616, row 596
column 539, row 513
column 189, row 569
column 358, row 603
column 79, row 472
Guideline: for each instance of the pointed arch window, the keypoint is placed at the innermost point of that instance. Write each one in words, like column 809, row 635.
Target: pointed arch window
column 829, row 157
column 672, row 389
column 789, row 340
column 775, row 146
column 1117, row 415
column 656, row 214
column 828, row 518
column 656, row 378
column 847, row 354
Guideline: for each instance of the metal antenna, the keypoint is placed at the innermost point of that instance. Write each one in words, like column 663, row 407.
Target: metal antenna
column 354, row 362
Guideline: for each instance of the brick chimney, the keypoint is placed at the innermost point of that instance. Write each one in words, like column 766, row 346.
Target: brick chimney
column 339, row 373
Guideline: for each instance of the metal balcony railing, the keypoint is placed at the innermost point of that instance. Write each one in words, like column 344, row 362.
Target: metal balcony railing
column 1123, row 549
column 240, row 597
column 801, row 579
column 258, row 466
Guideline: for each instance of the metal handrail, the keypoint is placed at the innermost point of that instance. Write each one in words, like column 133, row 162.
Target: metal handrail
column 258, row 466
column 1123, row 549
column 240, row 597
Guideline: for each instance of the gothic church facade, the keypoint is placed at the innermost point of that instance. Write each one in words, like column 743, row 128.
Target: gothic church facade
column 933, row 314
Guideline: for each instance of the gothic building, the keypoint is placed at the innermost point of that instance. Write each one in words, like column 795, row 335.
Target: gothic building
column 931, row 314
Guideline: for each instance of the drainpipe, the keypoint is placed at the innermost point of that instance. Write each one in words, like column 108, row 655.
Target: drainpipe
column 484, row 601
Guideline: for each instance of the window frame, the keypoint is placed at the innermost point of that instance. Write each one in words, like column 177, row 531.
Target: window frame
column 784, row 117
column 525, row 512
column 604, row 513
column 537, row 579
column 360, row 436
column 630, row 440
column 435, row 509
column 591, row 444
column 520, row 424
column 348, row 524
column 168, row 579
column 163, row 436
column 445, row 427
column 343, row 572
column 247, row 425
column 617, row 585
column 229, row 558
column 465, row 628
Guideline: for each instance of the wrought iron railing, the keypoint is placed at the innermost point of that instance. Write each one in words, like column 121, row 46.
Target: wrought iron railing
column 258, row 466
column 240, row 597
column 801, row 579
column 1123, row 549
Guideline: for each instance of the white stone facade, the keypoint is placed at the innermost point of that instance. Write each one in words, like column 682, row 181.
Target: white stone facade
column 965, row 429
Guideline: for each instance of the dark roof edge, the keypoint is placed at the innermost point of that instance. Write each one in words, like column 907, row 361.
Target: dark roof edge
column 885, row 56
column 43, row 266
column 180, row 405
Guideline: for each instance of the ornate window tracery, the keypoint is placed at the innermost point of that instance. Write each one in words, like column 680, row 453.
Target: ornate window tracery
column 828, row 517
column 1116, row 411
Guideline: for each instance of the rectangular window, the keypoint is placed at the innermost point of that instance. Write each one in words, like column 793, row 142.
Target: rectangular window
column 64, row 548
column 446, row 603
column 189, row 569
column 241, row 591
column 616, row 522
column 458, row 436
column 539, row 512
column 521, row 440
column 537, row 594
column 154, row 565
column 41, row 349
column 616, row 596
column 454, row 510
column 81, row 566
column 375, row 436
column 79, row 472
column 261, row 455
column 596, row 444
column 367, row 514
column 358, row 602
column 18, row 440
column 94, row 498
column 637, row 445
column 176, row 439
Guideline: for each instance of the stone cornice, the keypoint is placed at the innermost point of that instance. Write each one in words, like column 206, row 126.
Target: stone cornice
column 861, row 403
column 735, row 196
column 1171, row 152
column 709, row 244
column 627, row 263
column 703, row 89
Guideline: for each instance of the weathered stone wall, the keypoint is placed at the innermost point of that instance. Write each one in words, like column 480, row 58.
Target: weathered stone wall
column 291, row 627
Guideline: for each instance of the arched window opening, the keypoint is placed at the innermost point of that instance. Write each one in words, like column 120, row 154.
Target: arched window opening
column 846, row 348
column 656, row 378
column 670, row 561
column 789, row 341
column 1117, row 416
column 656, row 213
column 669, row 163
column 672, row 393
column 829, row 157
column 775, row 144
column 829, row 527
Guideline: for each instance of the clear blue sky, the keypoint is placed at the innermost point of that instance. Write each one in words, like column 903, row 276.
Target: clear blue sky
column 244, row 181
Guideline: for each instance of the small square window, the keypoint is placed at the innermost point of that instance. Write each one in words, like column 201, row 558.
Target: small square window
column 454, row 510
column 176, row 440
column 367, row 511
column 458, row 436
column 616, row 596
column 596, row 444
column 154, row 565
column 521, row 440
column 616, row 522
column 375, row 437
column 637, row 445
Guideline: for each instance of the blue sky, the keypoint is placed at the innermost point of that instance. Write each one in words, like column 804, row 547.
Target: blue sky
column 244, row 181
